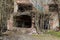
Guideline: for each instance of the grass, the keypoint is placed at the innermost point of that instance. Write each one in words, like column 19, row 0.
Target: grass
column 37, row 36
column 53, row 33
column 57, row 34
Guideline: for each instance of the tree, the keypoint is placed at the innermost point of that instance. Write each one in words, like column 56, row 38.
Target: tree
column 6, row 8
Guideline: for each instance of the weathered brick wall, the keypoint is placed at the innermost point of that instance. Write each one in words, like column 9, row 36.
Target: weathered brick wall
column 54, row 22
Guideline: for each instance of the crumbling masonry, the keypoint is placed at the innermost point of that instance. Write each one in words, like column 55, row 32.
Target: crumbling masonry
column 27, row 17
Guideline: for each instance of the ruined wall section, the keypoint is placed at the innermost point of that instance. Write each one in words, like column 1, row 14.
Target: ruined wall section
column 10, row 22
column 53, row 15
column 54, row 21
column 54, row 18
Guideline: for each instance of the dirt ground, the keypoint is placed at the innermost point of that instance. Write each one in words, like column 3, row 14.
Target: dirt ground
column 17, row 36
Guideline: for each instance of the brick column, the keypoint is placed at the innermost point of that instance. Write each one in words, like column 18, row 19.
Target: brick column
column 10, row 23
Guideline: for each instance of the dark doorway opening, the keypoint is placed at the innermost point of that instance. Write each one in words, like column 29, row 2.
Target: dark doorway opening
column 44, row 22
column 23, row 21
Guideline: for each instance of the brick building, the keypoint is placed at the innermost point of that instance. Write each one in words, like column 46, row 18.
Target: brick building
column 27, row 17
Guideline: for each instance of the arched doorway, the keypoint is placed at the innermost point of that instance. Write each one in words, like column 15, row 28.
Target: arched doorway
column 23, row 21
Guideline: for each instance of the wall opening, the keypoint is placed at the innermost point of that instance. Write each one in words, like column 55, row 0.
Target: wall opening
column 23, row 21
column 53, row 7
column 24, row 7
column 44, row 21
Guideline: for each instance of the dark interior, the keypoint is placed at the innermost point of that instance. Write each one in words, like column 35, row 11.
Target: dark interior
column 23, row 21
column 53, row 7
column 44, row 24
column 24, row 7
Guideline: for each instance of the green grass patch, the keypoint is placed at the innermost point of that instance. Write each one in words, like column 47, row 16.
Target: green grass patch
column 37, row 36
column 54, row 33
